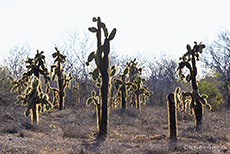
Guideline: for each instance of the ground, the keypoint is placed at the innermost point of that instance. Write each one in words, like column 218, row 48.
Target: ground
column 74, row 130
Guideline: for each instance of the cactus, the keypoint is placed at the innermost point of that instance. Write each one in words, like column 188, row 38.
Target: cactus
column 95, row 99
column 19, row 85
column 103, row 72
column 141, row 91
column 195, row 100
column 30, row 92
column 33, row 98
column 172, row 116
column 134, row 72
column 122, row 86
column 62, row 80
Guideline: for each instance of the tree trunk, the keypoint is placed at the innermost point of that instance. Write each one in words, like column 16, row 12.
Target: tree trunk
column 172, row 117
column 198, row 110
column 198, row 106
column 34, row 115
column 98, row 112
column 138, row 101
column 105, row 89
column 228, row 95
column 61, row 101
column 123, row 100
column 61, row 88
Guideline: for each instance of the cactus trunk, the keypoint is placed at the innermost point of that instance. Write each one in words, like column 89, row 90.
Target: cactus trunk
column 198, row 110
column 123, row 99
column 172, row 117
column 138, row 102
column 61, row 92
column 34, row 115
column 228, row 95
column 198, row 106
column 104, row 95
column 98, row 110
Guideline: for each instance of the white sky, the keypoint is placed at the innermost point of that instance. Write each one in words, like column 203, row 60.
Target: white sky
column 145, row 26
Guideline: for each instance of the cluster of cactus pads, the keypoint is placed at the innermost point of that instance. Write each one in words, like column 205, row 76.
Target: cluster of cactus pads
column 29, row 86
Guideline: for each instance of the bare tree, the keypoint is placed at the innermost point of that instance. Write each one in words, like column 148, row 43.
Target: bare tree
column 76, row 46
column 16, row 59
column 217, row 58
column 162, row 78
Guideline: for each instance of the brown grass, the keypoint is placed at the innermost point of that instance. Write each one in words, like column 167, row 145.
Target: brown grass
column 73, row 130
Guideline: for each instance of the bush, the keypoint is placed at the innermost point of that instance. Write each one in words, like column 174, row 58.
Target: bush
column 5, row 83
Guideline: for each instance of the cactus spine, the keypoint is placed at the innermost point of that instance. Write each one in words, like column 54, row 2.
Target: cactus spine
column 196, row 100
column 102, row 73
column 172, row 117
column 62, row 80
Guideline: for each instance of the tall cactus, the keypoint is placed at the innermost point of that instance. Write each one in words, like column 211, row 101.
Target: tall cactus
column 33, row 96
column 188, row 60
column 122, row 86
column 140, row 91
column 62, row 80
column 134, row 72
column 102, row 73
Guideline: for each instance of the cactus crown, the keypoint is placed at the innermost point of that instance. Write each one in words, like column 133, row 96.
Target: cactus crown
column 191, row 55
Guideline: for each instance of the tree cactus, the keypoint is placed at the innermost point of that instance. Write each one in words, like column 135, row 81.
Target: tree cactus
column 134, row 72
column 33, row 98
column 122, row 86
column 33, row 95
column 103, row 72
column 141, row 91
column 196, row 100
column 62, row 80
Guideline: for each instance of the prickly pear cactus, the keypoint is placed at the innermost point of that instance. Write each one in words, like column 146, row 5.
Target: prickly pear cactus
column 195, row 100
column 141, row 92
column 134, row 72
column 95, row 99
column 122, row 87
column 29, row 86
column 33, row 98
column 62, row 80
column 103, row 72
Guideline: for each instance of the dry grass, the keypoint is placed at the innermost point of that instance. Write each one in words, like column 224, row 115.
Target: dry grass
column 73, row 130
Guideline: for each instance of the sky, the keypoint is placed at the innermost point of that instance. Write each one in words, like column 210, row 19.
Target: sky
column 148, row 27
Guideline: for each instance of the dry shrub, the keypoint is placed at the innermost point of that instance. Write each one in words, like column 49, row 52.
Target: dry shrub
column 75, row 131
